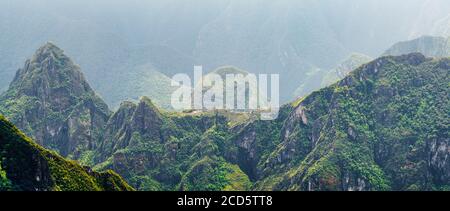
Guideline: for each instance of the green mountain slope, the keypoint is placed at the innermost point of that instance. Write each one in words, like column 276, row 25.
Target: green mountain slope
column 384, row 127
column 27, row 166
column 157, row 150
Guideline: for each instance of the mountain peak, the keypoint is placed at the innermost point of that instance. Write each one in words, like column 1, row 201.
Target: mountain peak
column 145, row 101
column 147, row 117
column 50, row 64
column 51, row 89
column 49, row 68
column 48, row 51
column 49, row 46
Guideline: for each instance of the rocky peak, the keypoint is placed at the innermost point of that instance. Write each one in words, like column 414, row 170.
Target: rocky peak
column 48, row 51
column 51, row 101
column 147, row 118
column 122, row 115
column 50, row 75
column 118, row 131
column 129, row 120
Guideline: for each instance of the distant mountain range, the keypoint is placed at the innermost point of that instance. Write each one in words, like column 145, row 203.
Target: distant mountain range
column 427, row 45
column 383, row 126
column 118, row 41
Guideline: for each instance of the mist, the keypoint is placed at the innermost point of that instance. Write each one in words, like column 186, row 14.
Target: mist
column 289, row 37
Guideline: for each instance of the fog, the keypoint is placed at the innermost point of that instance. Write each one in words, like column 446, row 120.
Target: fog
column 289, row 37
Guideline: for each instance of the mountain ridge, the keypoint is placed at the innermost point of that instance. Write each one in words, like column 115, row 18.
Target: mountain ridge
column 347, row 134
column 342, row 137
column 427, row 45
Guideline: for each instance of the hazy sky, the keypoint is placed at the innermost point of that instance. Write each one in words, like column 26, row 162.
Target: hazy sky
column 147, row 21
column 287, row 36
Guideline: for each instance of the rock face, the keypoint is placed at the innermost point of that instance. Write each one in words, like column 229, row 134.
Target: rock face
column 130, row 121
column 50, row 100
column 137, row 129
column 29, row 167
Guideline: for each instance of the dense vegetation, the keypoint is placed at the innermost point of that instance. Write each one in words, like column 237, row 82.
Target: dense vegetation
column 29, row 167
column 383, row 126
column 157, row 150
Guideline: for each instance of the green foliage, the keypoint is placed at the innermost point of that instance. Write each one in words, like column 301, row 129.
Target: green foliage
column 31, row 167
column 214, row 174
column 87, row 158
column 373, row 130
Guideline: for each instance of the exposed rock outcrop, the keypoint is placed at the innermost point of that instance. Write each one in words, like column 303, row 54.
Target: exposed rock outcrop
column 51, row 101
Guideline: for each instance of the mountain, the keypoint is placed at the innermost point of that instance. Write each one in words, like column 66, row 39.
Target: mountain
column 427, row 45
column 222, row 72
column 351, row 63
column 383, row 127
column 158, row 150
column 320, row 78
column 144, row 80
column 431, row 19
column 51, row 101
column 26, row 166
column 153, row 149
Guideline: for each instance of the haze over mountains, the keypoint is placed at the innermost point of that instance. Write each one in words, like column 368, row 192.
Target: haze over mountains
column 364, row 87
column 427, row 45
column 118, row 40
column 384, row 126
